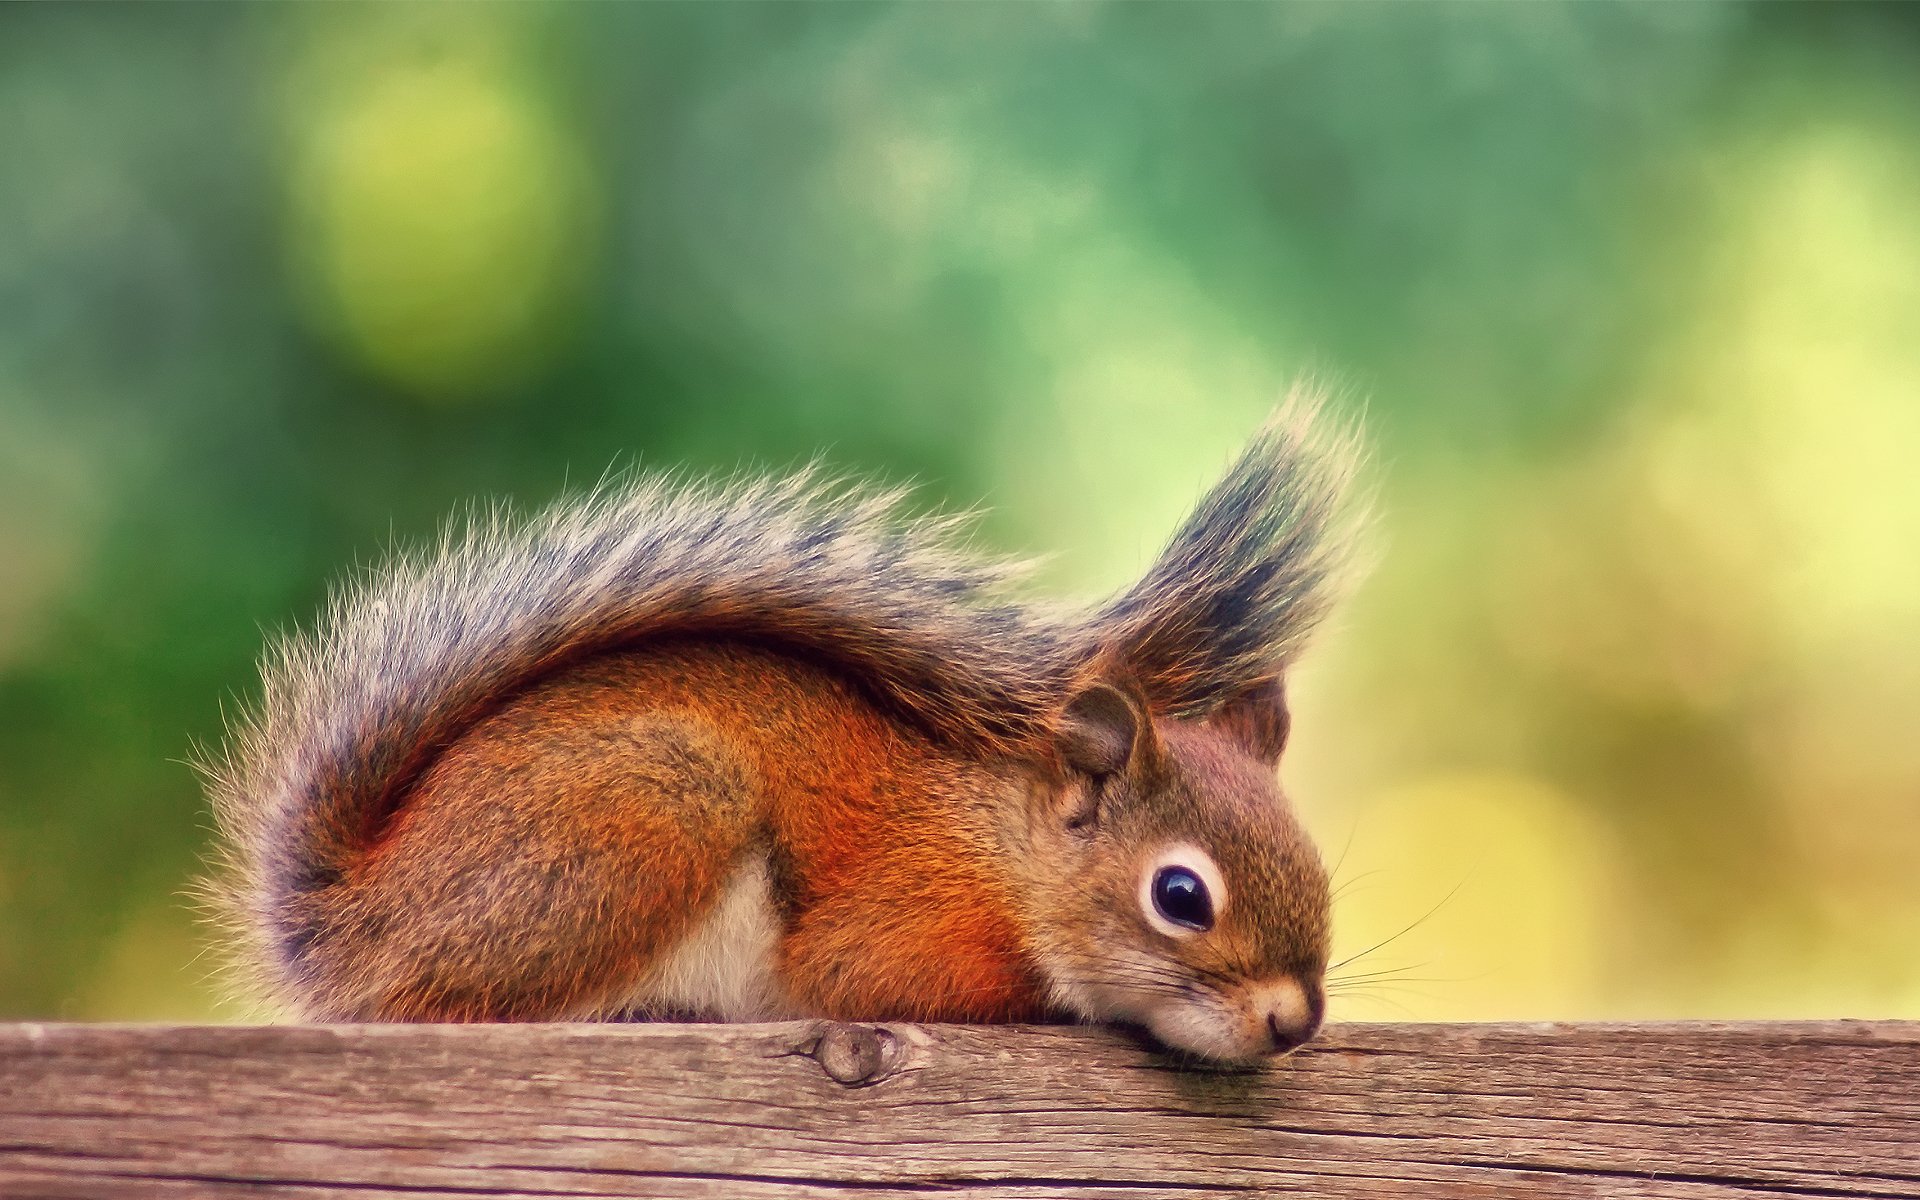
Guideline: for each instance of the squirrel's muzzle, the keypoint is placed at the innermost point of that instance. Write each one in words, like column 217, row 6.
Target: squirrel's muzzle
column 1257, row 1020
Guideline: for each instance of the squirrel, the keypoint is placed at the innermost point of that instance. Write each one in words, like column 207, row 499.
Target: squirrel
column 776, row 749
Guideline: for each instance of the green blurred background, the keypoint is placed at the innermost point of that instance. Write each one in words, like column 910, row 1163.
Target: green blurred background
column 1627, row 722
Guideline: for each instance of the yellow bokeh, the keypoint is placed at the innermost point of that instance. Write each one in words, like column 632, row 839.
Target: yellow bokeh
column 442, row 218
column 1472, row 897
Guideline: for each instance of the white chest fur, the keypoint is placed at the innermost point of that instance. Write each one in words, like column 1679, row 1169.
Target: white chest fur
column 723, row 968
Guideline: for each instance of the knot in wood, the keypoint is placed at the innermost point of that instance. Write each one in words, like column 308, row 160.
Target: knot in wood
column 857, row 1055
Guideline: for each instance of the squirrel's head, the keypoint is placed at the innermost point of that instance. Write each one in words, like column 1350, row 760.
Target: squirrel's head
column 1169, row 883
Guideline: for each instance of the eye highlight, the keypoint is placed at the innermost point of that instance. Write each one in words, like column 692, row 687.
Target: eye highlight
column 1181, row 896
column 1181, row 892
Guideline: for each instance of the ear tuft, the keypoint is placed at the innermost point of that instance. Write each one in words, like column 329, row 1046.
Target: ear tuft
column 1257, row 720
column 1099, row 728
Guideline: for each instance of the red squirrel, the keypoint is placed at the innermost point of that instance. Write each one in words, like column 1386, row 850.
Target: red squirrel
column 774, row 749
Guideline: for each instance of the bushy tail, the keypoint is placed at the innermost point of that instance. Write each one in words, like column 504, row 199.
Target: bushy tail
column 1232, row 599
column 400, row 665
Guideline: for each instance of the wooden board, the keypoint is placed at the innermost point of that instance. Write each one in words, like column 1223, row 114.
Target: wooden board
column 807, row 1109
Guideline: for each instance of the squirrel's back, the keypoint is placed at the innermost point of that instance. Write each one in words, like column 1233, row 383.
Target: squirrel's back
column 406, row 662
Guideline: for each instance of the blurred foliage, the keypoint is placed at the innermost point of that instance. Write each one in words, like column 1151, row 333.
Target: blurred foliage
column 1622, row 725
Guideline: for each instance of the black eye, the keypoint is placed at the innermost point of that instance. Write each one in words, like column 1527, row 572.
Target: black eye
column 1182, row 898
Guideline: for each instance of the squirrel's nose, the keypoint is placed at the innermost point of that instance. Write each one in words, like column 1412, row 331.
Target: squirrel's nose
column 1294, row 1011
column 1288, row 1036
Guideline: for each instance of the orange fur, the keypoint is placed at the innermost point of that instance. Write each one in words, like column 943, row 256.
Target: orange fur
column 549, row 856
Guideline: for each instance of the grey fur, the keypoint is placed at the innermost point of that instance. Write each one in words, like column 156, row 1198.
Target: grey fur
column 403, row 662
column 1247, row 577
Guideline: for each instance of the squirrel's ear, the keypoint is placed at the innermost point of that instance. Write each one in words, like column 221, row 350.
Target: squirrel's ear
column 1101, row 730
column 1256, row 720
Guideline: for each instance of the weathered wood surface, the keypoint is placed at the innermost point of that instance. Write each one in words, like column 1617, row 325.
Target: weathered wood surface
column 1685, row 1111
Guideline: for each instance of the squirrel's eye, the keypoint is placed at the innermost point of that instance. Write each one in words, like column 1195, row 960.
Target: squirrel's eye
column 1182, row 898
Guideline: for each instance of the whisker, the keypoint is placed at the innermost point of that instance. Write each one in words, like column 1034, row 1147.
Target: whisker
column 1348, row 885
column 1409, row 929
column 1382, row 973
column 1333, row 872
column 1382, row 1000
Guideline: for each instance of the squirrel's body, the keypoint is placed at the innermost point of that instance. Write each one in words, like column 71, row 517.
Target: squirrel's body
column 732, row 832
column 774, row 751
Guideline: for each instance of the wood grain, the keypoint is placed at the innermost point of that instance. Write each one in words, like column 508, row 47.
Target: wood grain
column 743, row 1112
